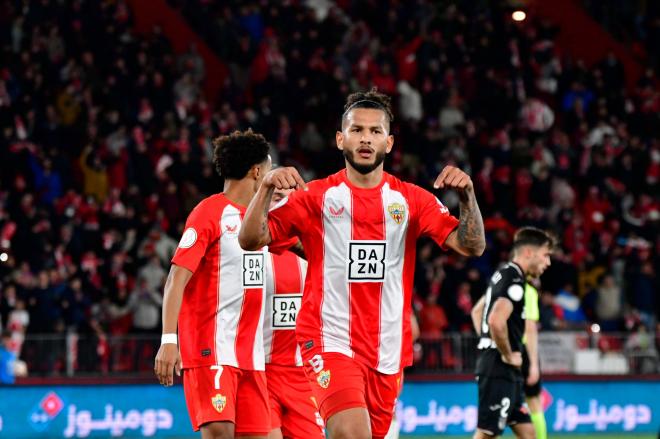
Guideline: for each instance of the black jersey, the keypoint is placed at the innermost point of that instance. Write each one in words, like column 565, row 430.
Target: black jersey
column 508, row 283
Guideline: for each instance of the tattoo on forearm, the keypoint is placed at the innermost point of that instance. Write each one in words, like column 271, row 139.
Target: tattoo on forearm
column 470, row 231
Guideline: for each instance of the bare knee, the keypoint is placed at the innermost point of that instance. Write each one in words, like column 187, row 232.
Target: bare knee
column 350, row 432
column 218, row 430
column 480, row 434
column 349, row 424
column 524, row 431
column 534, row 403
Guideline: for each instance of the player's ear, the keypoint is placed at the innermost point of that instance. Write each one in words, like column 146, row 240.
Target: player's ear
column 255, row 172
column 339, row 138
column 390, row 143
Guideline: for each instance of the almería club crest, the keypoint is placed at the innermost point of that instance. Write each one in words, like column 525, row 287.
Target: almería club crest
column 397, row 212
column 219, row 402
column 323, row 378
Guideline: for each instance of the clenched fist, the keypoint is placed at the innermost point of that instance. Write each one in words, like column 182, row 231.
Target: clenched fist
column 284, row 178
column 453, row 178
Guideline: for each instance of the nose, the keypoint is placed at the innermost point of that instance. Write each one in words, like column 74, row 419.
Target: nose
column 365, row 138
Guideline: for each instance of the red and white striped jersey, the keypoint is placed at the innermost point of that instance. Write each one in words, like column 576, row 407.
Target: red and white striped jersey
column 360, row 245
column 285, row 277
column 221, row 317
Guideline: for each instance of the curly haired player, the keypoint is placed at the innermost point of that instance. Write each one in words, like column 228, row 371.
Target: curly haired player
column 215, row 291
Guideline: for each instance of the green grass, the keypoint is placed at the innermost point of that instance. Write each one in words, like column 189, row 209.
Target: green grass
column 556, row 436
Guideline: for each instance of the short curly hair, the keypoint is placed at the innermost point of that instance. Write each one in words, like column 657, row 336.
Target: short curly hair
column 236, row 153
column 370, row 99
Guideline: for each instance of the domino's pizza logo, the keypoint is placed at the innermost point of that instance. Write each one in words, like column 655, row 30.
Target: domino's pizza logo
column 45, row 411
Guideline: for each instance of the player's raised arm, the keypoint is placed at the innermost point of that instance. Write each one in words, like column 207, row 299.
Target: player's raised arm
column 469, row 238
column 168, row 358
column 254, row 232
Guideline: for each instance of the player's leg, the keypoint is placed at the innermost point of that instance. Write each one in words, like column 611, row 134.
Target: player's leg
column 218, row 430
column 393, row 432
column 533, row 396
column 524, row 431
column 495, row 399
column 338, row 386
column 352, row 423
column 301, row 417
column 252, row 406
column 382, row 393
column 481, row 434
column 538, row 417
column 210, row 397
column 519, row 419
column 274, row 391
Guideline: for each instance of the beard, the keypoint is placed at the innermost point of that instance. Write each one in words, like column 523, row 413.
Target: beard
column 365, row 168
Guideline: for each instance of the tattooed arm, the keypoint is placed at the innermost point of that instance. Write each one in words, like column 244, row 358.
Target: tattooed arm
column 469, row 238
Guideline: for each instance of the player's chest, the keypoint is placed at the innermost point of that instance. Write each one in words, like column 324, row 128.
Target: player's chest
column 365, row 217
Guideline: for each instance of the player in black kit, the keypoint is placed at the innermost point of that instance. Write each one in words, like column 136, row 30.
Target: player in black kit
column 502, row 326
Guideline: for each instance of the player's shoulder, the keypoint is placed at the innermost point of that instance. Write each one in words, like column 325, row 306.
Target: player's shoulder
column 320, row 186
column 211, row 205
column 512, row 273
column 409, row 190
column 509, row 280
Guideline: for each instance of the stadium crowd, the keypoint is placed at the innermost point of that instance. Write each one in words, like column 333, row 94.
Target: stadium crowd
column 106, row 147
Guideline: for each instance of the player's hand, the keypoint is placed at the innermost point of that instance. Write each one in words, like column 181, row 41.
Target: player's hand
column 513, row 359
column 533, row 377
column 453, row 178
column 284, row 178
column 168, row 360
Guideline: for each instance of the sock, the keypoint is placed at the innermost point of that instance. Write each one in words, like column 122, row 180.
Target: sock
column 538, row 419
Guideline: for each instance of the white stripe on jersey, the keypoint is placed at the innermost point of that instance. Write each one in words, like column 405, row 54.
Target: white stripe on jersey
column 230, row 290
column 335, row 308
column 391, row 312
column 258, row 357
column 268, row 316
column 302, row 269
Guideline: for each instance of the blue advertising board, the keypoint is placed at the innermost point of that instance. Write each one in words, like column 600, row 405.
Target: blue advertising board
column 93, row 411
column 447, row 408
column 581, row 407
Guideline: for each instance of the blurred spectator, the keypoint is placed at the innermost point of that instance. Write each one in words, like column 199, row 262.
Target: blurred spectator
column 145, row 306
column 7, row 360
column 432, row 320
column 152, row 274
column 609, row 304
column 571, row 309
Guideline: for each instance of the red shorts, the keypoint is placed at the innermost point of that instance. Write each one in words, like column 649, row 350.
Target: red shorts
column 340, row 383
column 292, row 406
column 226, row 393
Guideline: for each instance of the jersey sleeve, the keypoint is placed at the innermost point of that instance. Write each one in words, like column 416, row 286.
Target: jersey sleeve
column 434, row 219
column 284, row 220
column 531, row 303
column 199, row 233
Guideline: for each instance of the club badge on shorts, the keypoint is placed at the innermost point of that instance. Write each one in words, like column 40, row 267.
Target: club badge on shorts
column 397, row 212
column 323, row 378
column 219, row 402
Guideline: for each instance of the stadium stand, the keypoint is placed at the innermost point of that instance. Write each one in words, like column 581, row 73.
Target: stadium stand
column 106, row 146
